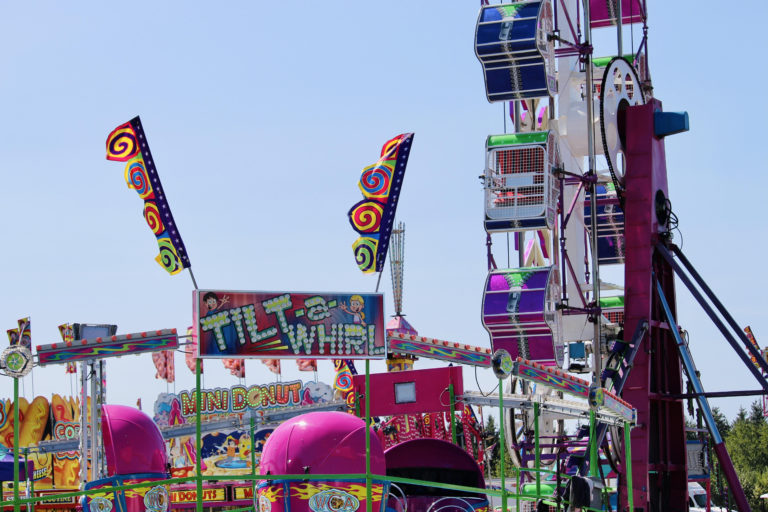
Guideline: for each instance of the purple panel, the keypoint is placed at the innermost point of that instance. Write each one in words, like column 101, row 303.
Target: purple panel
column 508, row 345
column 521, row 307
column 603, row 12
column 540, row 348
column 6, row 468
column 533, row 279
column 517, row 332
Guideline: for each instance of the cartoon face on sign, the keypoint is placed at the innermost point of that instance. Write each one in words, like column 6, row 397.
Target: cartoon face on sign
column 333, row 500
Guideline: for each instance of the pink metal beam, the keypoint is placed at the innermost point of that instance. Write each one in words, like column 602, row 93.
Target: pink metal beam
column 421, row 346
column 658, row 441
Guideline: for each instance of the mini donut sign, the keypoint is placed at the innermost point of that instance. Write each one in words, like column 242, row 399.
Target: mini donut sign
column 237, row 324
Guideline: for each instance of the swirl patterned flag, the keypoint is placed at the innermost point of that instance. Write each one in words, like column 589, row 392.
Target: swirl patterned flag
column 345, row 369
column 127, row 143
column 374, row 216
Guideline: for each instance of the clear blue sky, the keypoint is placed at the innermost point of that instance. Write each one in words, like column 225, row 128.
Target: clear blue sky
column 261, row 115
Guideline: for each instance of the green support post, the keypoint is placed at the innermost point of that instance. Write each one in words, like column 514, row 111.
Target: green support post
column 502, row 445
column 454, row 437
column 253, row 463
column 593, row 455
column 537, row 447
column 368, row 490
column 628, row 465
column 198, row 437
column 16, row 507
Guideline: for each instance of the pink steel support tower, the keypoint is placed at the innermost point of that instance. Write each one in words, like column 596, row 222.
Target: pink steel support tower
column 658, row 442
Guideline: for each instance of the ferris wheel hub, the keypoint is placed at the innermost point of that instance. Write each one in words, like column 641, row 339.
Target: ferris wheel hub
column 619, row 90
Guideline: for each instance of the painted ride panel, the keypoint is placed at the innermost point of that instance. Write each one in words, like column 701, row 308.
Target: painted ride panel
column 410, row 391
column 152, row 498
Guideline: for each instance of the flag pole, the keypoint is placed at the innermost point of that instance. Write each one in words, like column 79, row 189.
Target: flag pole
column 194, row 282
column 378, row 281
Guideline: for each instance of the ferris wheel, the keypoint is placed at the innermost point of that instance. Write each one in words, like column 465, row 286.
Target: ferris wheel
column 566, row 186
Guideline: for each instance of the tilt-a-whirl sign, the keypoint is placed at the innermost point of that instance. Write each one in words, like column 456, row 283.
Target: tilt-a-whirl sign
column 271, row 325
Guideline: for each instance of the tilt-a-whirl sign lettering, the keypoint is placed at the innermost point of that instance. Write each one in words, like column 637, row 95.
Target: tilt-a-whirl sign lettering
column 290, row 325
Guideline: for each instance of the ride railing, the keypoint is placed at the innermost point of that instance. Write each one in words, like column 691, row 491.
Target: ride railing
column 521, row 494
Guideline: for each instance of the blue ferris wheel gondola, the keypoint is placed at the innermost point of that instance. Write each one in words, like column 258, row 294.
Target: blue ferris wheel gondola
column 610, row 225
column 513, row 46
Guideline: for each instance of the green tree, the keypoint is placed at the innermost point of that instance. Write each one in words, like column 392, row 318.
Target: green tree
column 691, row 430
column 756, row 414
column 721, row 421
column 491, row 438
column 747, row 444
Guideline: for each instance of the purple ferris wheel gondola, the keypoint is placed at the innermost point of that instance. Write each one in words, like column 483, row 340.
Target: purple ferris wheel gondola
column 518, row 58
column 520, row 313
